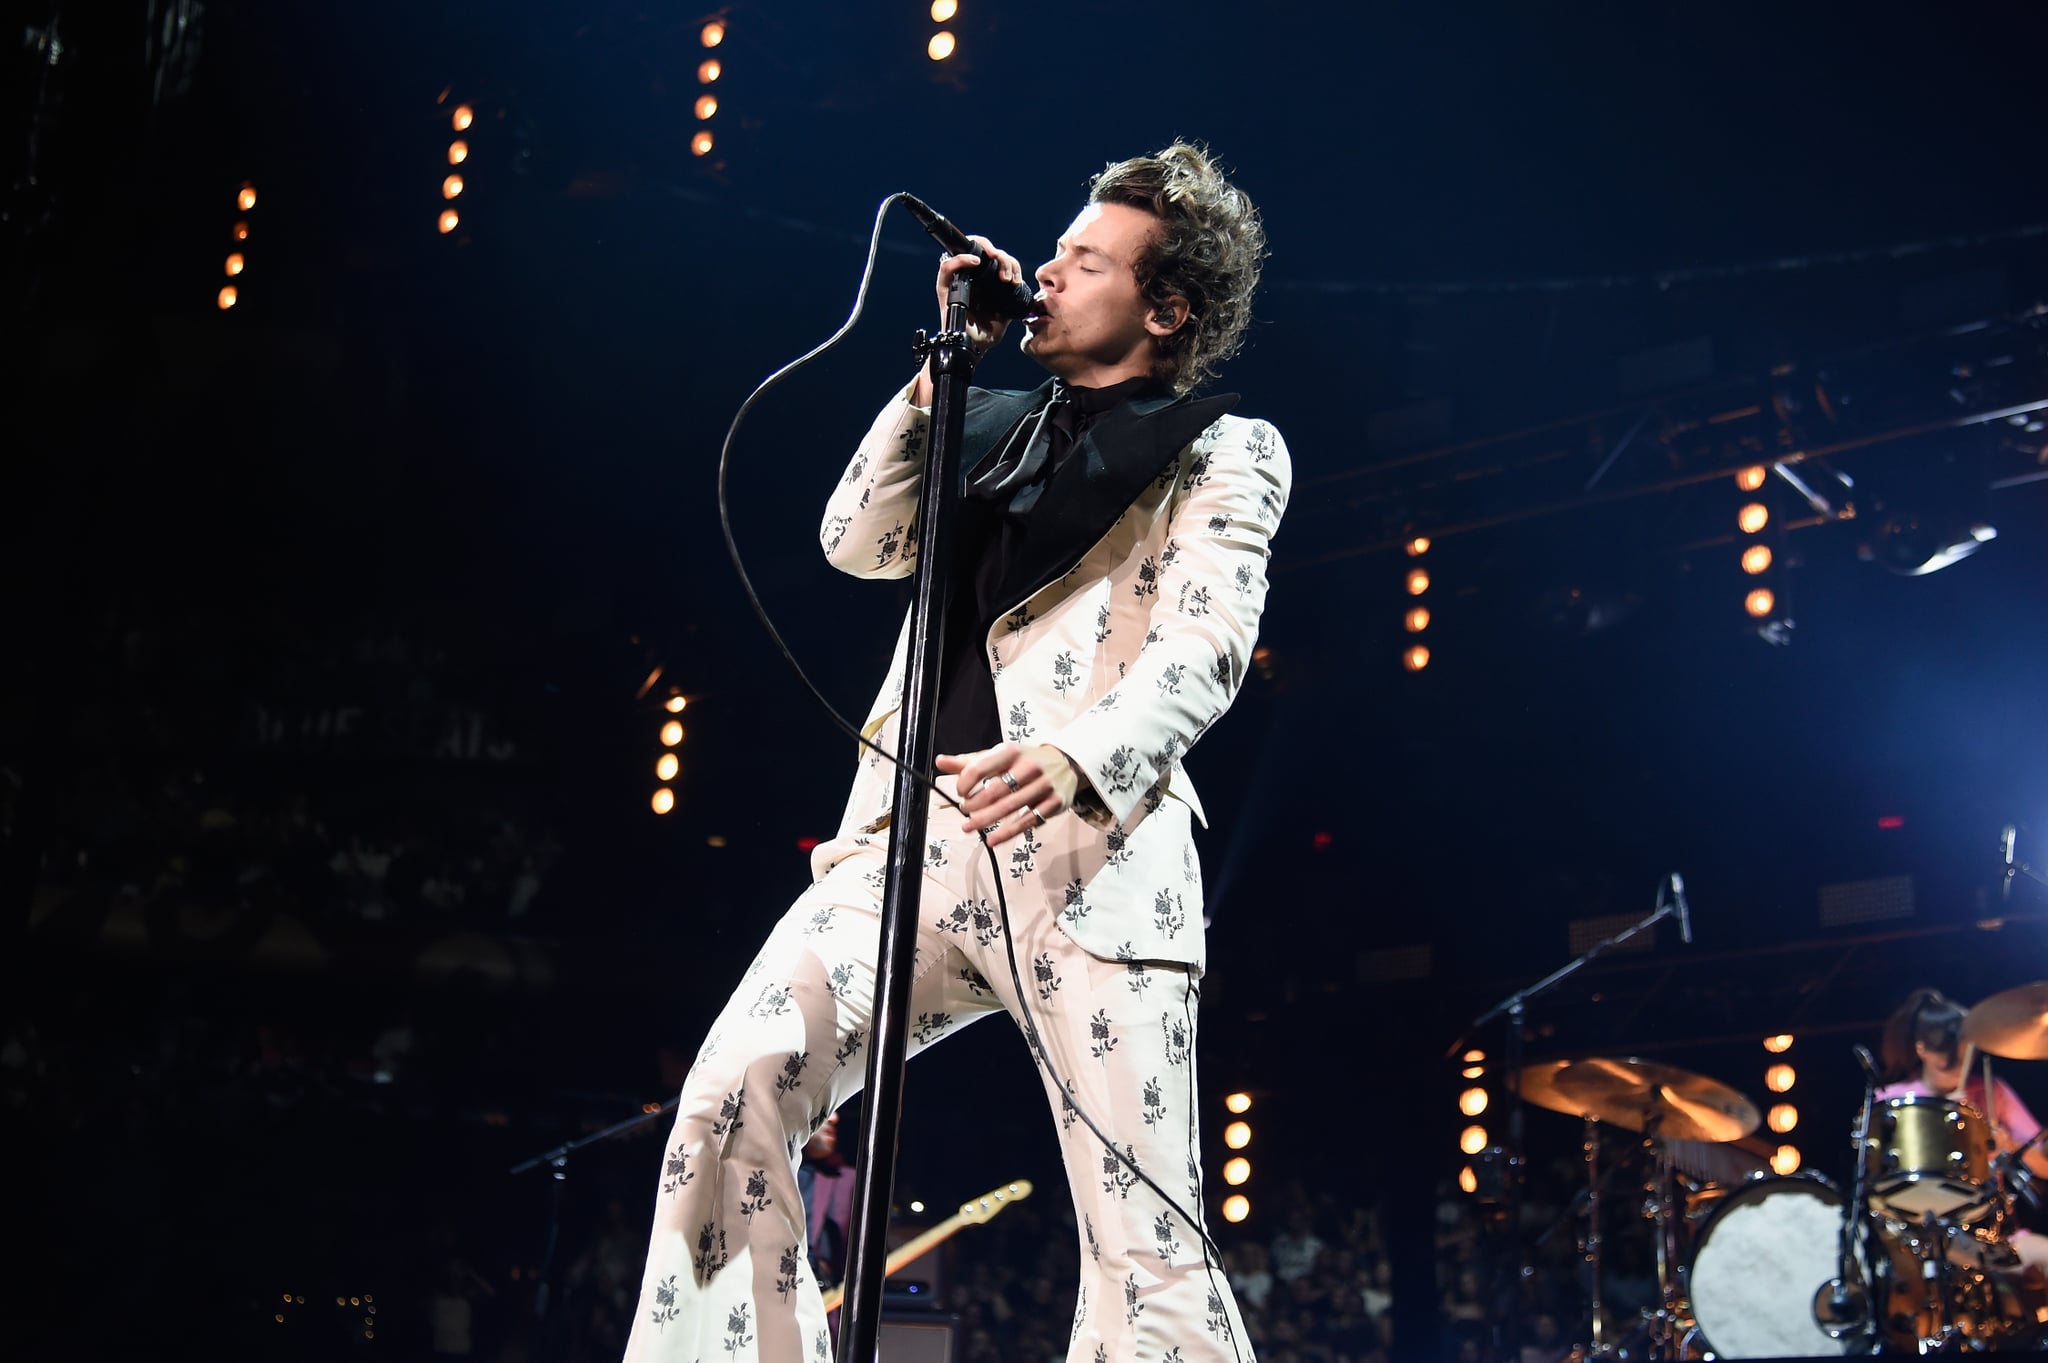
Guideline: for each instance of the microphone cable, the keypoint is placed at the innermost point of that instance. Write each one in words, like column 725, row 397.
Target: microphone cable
column 1212, row 1254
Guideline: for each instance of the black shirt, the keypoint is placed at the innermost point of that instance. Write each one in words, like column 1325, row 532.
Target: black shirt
column 998, row 498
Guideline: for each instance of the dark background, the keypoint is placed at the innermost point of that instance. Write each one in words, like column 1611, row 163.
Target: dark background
column 376, row 567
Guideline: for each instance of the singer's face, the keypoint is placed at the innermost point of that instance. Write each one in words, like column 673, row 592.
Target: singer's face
column 1091, row 325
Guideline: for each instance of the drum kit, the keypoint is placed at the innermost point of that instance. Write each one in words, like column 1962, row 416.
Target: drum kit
column 1917, row 1257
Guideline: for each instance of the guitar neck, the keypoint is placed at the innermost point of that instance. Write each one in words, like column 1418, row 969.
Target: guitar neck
column 906, row 1253
column 973, row 1213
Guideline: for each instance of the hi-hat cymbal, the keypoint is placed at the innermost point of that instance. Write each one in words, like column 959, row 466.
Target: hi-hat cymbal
column 2013, row 1024
column 1639, row 1095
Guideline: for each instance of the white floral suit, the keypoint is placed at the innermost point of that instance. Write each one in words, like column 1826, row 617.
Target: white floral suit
column 1134, row 607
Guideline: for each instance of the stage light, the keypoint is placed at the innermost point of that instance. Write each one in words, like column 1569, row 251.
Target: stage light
column 226, row 297
column 671, row 733
column 458, row 152
column 1473, row 1071
column 712, row 34
column 1236, row 1170
column 449, row 218
column 1418, row 546
column 1779, row 1044
column 1780, row 1078
column 1418, row 581
column 1418, row 620
column 666, row 768
column 1472, row 1139
column 707, row 105
column 451, row 186
column 1468, row 1180
column 1753, row 518
column 942, row 10
column 664, row 800
column 1760, row 603
column 1236, row 1208
column 1415, row 659
column 241, row 231
column 941, row 46
column 1751, row 478
column 1238, row 1102
column 709, row 71
column 1783, row 1117
column 700, row 144
column 1912, row 546
column 234, row 264
column 1785, row 1160
column 1237, row 1135
column 1472, row 1102
column 1474, row 1057
column 246, row 199
column 464, row 116
column 675, row 704
column 1756, row 559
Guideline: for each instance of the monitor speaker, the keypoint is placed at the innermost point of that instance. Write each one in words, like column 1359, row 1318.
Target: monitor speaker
column 917, row 1337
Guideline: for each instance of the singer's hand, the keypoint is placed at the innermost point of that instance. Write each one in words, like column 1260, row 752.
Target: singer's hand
column 1046, row 784
column 983, row 331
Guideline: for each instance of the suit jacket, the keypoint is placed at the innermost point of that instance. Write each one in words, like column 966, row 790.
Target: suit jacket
column 1133, row 608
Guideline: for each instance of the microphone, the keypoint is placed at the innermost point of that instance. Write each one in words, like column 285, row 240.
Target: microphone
column 1684, row 909
column 988, row 291
column 2006, row 838
column 1867, row 1061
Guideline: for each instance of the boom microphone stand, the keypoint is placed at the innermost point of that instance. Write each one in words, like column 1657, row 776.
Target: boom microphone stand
column 556, row 1162
column 874, row 1171
column 1515, row 1008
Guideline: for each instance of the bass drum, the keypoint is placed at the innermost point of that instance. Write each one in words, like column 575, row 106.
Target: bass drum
column 1763, row 1254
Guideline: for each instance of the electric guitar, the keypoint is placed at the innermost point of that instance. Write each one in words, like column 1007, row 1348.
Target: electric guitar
column 975, row 1213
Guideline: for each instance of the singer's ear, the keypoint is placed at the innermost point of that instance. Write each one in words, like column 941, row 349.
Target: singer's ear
column 1168, row 317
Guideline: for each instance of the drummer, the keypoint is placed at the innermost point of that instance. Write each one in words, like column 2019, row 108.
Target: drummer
column 1925, row 1056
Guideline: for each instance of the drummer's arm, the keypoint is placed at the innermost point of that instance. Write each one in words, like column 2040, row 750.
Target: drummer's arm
column 2016, row 1126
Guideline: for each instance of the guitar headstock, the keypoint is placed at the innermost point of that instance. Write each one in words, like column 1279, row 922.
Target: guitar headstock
column 989, row 1203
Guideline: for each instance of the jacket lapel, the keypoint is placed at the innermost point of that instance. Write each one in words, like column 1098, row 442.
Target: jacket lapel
column 1122, row 451
column 990, row 413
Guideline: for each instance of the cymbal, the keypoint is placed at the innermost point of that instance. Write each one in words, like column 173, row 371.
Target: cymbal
column 2013, row 1024
column 1638, row 1094
column 1538, row 1084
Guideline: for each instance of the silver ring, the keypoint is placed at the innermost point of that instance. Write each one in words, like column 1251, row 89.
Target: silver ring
column 1036, row 815
column 1008, row 780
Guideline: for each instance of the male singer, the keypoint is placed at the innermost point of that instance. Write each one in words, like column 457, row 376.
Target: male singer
column 1107, row 583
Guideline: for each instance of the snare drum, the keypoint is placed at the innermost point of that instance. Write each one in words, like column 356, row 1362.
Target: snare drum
column 1767, row 1249
column 1929, row 1157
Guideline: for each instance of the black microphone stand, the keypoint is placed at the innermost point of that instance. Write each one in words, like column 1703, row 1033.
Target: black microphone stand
column 874, row 1172
column 556, row 1162
column 1515, row 1008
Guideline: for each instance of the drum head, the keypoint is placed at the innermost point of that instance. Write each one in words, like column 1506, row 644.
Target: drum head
column 1762, row 1256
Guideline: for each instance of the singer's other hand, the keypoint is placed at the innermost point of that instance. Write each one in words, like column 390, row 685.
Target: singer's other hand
column 983, row 331
column 1046, row 784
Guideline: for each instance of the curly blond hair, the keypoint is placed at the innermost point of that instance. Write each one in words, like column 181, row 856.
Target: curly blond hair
column 1209, row 250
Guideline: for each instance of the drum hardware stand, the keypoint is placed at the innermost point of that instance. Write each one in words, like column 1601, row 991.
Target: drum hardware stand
column 1515, row 1008
column 1842, row 1305
column 1592, row 1255
column 1664, row 1321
